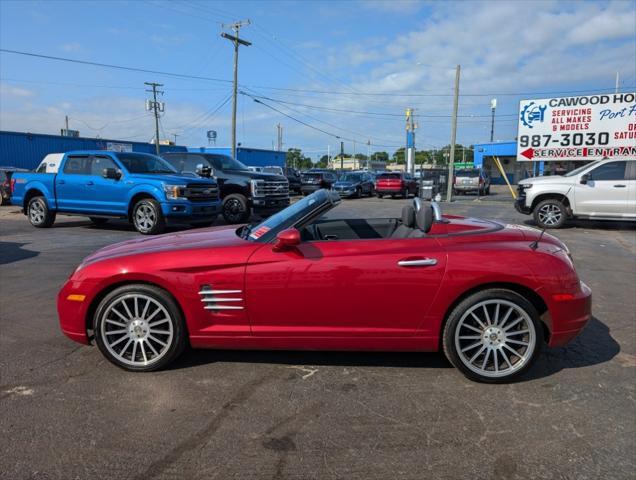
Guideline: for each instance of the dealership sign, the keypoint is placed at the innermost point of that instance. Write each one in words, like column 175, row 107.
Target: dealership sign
column 577, row 128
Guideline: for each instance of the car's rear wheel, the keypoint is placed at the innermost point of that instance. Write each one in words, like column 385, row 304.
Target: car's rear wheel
column 550, row 213
column 98, row 220
column 39, row 213
column 235, row 209
column 493, row 336
column 148, row 218
column 139, row 328
column 488, row 190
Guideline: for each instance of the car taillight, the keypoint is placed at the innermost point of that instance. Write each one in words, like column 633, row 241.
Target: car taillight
column 481, row 180
column 12, row 185
column 454, row 180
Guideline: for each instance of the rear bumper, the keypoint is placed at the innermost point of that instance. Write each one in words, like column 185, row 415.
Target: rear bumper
column 468, row 188
column 389, row 190
column 568, row 317
column 183, row 212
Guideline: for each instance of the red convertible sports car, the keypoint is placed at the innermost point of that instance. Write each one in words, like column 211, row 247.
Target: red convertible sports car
column 488, row 295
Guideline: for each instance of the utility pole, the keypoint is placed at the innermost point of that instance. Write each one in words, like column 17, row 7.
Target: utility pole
column 617, row 82
column 279, row 142
column 368, row 154
column 354, row 156
column 493, row 107
column 175, row 135
column 329, row 157
column 341, row 155
column 236, row 41
column 451, row 159
column 66, row 119
column 410, row 141
column 156, row 108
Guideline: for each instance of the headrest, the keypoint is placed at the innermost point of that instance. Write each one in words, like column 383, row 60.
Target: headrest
column 424, row 218
column 408, row 216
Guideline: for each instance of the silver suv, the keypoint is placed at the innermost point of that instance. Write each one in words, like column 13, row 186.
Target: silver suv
column 471, row 180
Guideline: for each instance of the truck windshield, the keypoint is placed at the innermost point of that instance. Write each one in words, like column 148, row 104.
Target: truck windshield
column 223, row 162
column 144, row 163
column 576, row 171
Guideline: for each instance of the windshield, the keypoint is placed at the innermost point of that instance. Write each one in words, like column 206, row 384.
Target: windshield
column 318, row 201
column 223, row 162
column 273, row 170
column 144, row 163
column 579, row 170
column 389, row 176
column 351, row 177
column 468, row 172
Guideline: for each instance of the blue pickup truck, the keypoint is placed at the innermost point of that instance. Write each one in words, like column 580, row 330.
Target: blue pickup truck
column 141, row 187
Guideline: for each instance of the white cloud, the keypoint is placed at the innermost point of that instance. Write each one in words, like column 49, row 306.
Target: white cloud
column 10, row 91
column 71, row 47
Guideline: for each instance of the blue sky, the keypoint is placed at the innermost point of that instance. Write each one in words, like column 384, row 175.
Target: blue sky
column 392, row 49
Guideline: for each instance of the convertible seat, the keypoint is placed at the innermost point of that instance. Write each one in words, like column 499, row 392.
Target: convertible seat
column 408, row 222
column 423, row 220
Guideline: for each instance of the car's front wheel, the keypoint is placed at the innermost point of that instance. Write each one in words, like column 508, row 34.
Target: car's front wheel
column 148, row 218
column 493, row 336
column 139, row 328
column 235, row 209
column 550, row 213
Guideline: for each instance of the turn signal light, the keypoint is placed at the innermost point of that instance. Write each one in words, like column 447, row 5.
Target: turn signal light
column 74, row 297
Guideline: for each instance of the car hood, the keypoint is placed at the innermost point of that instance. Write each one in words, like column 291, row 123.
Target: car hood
column 547, row 180
column 215, row 237
column 169, row 178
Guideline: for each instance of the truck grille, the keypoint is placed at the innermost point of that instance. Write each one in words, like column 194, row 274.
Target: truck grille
column 196, row 192
column 272, row 188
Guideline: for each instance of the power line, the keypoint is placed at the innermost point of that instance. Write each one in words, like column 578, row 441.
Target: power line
column 320, row 92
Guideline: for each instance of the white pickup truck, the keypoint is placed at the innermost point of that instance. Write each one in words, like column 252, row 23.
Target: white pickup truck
column 601, row 190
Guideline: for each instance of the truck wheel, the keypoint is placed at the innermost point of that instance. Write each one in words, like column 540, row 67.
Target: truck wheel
column 98, row 220
column 39, row 214
column 488, row 190
column 148, row 218
column 550, row 213
column 235, row 209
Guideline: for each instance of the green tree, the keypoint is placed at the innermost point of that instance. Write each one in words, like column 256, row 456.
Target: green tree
column 296, row 159
column 380, row 157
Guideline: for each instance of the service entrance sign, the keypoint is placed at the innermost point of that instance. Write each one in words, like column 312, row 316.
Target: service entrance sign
column 577, row 128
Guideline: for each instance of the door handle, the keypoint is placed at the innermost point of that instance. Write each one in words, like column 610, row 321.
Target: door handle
column 419, row 262
column 90, row 183
column 620, row 186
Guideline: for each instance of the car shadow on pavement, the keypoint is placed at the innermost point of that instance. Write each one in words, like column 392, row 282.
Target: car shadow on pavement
column 591, row 225
column 193, row 358
column 593, row 346
column 13, row 252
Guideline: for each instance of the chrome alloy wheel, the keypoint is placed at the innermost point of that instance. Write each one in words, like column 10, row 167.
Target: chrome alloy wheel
column 145, row 217
column 137, row 330
column 550, row 214
column 495, row 338
column 37, row 211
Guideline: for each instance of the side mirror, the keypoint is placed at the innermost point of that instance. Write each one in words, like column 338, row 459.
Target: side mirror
column 287, row 239
column 203, row 170
column 112, row 173
column 585, row 178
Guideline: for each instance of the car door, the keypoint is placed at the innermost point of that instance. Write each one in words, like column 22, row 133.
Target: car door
column 344, row 288
column 107, row 195
column 606, row 191
column 71, row 189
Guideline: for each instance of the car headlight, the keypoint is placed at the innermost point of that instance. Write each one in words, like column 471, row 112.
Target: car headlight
column 256, row 186
column 174, row 192
column 525, row 186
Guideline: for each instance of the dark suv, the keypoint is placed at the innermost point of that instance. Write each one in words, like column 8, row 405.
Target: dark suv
column 293, row 177
column 315, row 179
column 242, row 191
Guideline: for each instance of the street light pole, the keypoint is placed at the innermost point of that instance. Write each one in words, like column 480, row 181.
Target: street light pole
column 493, row 107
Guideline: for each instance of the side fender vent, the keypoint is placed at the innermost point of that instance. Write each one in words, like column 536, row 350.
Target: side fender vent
column 220, row 299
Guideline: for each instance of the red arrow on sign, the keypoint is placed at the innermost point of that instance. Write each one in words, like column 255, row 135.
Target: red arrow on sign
column 529, row 153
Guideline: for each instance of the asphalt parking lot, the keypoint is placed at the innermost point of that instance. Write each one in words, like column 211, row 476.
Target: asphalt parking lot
column 68, row 413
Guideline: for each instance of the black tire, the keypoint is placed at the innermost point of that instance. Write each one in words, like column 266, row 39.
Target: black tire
column 174, row 343
column 488, row 190
column 379, row 195
column 480, row 192
column 39, row 214
column 455, row 192
column 147, row 217
column 235, row 209
column 528, row 320
column 358, row 192
column 207, row 223
column 405, row 193
column 550, row 213
column 98, row 220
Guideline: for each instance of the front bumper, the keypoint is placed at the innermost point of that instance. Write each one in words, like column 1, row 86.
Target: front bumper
column 345, row 193
column 184, row 212
column 569, row 316
column 72, row 314
column 520, row 206
column 267, row 204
